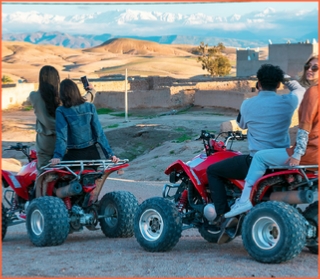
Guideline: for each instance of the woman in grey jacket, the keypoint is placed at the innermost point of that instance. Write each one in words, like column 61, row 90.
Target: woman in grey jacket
column 44, row 102
column 78, row 128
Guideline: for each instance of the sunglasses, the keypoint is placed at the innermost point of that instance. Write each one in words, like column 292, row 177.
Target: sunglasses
column 314, row 68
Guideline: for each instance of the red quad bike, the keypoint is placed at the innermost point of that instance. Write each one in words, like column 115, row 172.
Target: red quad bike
column 64, row 199
column 273, row 231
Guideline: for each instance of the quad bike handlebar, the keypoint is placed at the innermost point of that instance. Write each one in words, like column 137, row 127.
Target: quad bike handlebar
column 206, row 137
column 25, row 149
column 18, row 147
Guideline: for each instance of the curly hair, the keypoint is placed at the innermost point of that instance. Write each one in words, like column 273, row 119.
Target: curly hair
column 49, row 81
column 270, row 76
column 303, row 80
column 70, row 94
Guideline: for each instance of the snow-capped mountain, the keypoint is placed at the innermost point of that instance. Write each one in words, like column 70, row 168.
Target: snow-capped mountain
column 259, row 26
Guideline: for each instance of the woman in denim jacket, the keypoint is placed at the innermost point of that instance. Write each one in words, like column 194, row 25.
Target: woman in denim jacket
column 78, row 128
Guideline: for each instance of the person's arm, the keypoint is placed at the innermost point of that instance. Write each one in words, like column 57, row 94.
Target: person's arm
column 62, row 135
column 295, row 89
column 307, row 114
column 99, row 134
column 240, row 119
column 90, row 94
column 301, row 144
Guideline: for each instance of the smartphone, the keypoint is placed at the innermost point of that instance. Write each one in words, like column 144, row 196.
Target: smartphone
column 85, row 82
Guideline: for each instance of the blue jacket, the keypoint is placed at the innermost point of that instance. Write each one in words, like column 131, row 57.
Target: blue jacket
column 79, row 127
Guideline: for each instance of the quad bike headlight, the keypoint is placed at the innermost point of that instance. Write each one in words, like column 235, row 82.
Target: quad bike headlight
column 173, row 177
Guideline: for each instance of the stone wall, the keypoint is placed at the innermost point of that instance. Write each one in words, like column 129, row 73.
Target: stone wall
column 153, row 92
column 225, row 99
column 289, row 57
column 16, row 95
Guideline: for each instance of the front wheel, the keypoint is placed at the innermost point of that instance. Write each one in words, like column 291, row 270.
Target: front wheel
column 47, row 221
column 157, row 225
column 5, row 221
column 117, row 210
column 210, row 233
column 273, row 232
column 311, row 214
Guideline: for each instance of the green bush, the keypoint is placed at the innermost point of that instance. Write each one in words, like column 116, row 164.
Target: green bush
column 6, row 79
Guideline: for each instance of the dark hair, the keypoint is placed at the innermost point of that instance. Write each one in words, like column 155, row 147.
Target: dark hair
column 70, row 94
column 49, row 81
column 269, row 76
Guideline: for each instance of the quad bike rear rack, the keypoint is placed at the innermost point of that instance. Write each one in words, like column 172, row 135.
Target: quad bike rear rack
column 102, row 165
column 303, row 170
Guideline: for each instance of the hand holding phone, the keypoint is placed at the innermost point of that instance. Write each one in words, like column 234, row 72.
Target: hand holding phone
column 85, row 82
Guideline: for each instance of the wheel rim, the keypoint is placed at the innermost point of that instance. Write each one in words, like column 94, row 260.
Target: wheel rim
column 266, row 233
column 111, row 215
column 37, row 222
column 151, row 225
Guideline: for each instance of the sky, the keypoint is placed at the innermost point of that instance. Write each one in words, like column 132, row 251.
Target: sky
column 218, row 9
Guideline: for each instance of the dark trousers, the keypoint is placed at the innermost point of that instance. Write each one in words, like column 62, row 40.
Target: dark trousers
column 88, row 153
column 233, row 168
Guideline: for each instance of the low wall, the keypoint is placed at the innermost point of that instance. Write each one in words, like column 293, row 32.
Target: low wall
column 17, row 95
column 225, row 99
column 152, row 92
column 136, row 99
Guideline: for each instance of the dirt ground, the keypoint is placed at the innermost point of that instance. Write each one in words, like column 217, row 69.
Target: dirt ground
column 151, row 140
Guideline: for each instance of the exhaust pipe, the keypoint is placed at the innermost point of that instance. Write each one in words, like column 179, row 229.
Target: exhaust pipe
column 293, row 197
column 74, row 188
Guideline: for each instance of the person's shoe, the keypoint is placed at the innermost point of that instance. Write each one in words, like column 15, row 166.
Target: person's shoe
column 237, row 200
column 238, row 208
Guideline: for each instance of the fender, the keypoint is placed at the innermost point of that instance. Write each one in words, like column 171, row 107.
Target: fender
column 16, row 183
column 266, row 176
column 197, row 167
column 180, row 166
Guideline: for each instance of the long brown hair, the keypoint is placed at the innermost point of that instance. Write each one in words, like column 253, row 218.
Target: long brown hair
column 70, row 94
column 303, row 79
column 49, row 81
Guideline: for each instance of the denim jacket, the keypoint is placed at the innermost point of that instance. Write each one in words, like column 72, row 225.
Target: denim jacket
column 78, row 127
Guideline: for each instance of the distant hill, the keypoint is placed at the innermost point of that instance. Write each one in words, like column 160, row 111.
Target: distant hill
column 87, row 41
column 58, row 39
column 21, row 60
column 138, row 47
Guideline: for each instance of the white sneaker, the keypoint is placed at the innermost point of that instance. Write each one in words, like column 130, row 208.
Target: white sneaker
column 238, row 208
column 235, row 203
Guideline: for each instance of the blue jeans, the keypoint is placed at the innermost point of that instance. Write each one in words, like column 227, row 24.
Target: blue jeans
column 264, row 159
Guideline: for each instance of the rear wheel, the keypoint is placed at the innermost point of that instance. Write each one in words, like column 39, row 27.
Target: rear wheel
column 47, row 221
column 118, row 210
column 311, row 214
column 4, row 221
column 157, row 225
column 273, row 232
